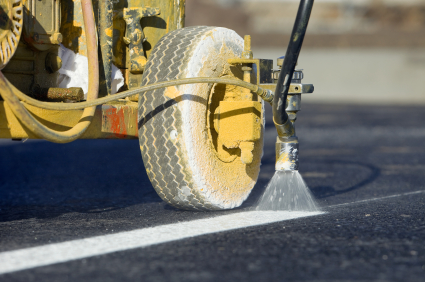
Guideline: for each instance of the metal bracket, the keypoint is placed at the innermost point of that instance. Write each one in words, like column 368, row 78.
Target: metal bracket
column 294, row 88
column 264, row 68
column 42, row 23
column 135, row 37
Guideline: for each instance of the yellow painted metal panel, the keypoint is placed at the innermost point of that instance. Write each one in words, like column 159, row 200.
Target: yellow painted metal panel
column 117, row 120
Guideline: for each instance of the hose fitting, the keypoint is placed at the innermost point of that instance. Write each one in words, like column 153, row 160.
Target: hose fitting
column 287, row 153
column 266, row 94
column 285, row 130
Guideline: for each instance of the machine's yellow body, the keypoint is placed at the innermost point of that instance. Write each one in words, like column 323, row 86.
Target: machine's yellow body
column 50, row 23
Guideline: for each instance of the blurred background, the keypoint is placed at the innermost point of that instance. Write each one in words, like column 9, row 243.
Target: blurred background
column 355, row 51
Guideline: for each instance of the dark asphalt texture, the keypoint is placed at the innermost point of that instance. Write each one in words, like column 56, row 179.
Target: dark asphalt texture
column 54, row 193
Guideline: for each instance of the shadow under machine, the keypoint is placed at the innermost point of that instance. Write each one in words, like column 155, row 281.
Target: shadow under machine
column 193, row 96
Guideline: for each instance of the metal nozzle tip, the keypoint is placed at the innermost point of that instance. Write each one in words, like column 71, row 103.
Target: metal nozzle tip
column 287, row 154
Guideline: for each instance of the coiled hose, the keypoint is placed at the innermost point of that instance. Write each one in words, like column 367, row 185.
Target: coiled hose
column 8, row 91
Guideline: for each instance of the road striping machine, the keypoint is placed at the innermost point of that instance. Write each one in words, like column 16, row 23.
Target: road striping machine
column 193, row 96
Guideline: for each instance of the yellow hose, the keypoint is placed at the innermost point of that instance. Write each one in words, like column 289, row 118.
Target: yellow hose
column 8, row 90
column 81, row 105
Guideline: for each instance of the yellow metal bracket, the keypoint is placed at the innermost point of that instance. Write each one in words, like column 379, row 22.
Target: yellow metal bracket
column 134, row 35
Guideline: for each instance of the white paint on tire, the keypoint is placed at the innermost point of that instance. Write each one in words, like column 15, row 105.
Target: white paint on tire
column 214, row 42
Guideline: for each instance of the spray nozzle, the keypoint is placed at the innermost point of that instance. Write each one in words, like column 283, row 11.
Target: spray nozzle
column 287, row 153
column 286, row 147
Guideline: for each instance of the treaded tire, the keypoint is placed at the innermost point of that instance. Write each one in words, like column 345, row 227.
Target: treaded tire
column 173, row 134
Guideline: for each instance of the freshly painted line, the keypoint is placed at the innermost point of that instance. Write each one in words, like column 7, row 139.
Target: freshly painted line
column 381, row 198
column 77, row 249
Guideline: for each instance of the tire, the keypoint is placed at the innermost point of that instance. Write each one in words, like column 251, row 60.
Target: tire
column 176, row 134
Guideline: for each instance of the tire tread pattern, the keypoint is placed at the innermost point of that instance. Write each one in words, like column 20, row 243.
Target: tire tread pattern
column 165, row 166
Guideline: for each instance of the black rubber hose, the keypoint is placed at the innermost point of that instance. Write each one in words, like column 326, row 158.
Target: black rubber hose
column 294, row 47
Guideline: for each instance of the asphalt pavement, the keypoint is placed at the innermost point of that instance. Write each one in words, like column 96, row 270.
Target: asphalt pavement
column 365, row 166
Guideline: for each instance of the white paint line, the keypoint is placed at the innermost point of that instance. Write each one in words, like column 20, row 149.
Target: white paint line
column 378, row 199
column 77, row 249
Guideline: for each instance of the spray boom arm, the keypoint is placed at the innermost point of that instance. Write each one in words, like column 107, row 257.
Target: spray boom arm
column 287, row 142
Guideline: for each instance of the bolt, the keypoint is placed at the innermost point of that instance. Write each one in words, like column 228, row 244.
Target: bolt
column 36, row 37
column 56, row 38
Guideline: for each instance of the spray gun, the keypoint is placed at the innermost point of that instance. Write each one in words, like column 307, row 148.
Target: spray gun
column 287, row 141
